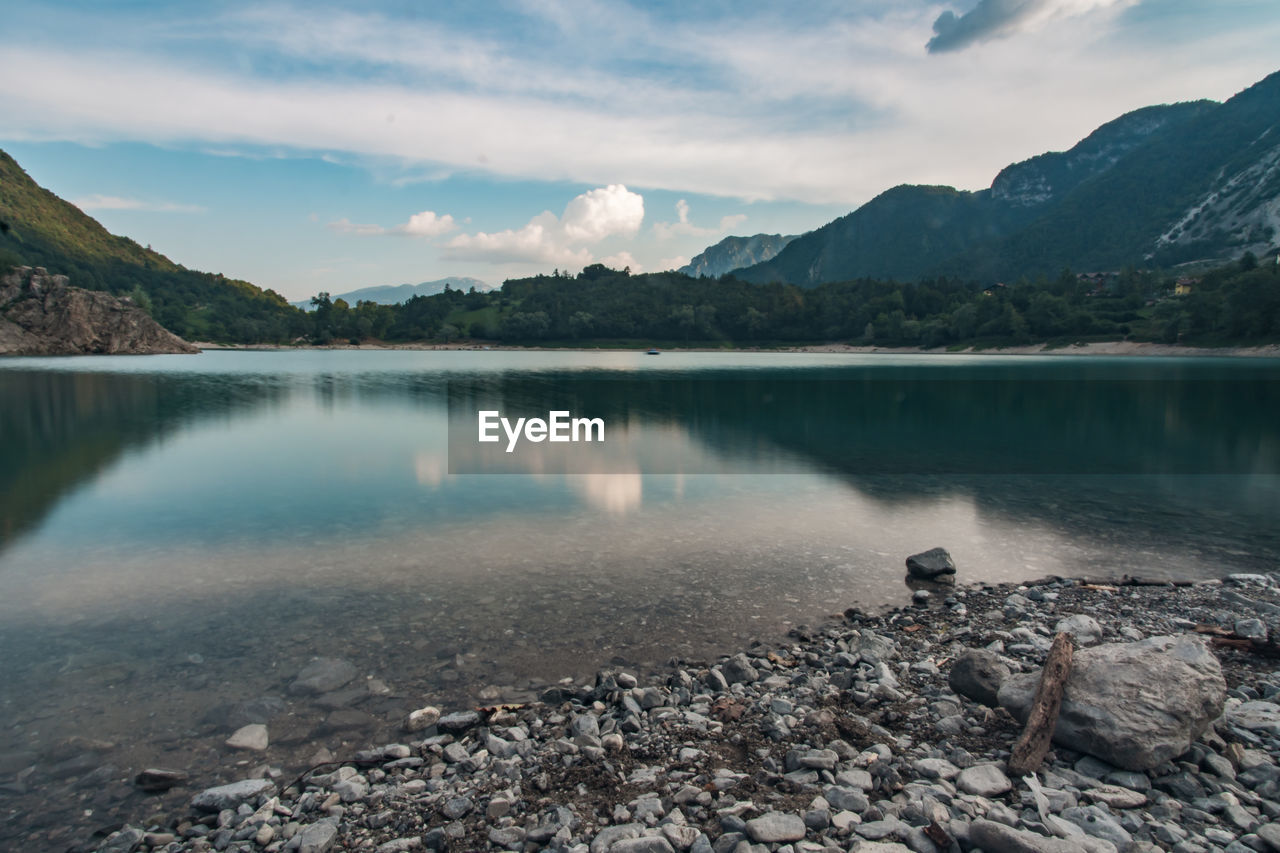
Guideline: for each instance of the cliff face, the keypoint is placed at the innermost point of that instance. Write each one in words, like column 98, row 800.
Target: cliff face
column 41, row 314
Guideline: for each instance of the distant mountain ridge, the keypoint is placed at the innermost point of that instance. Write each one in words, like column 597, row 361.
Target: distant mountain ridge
column 395, row 294
column 732, row 253
column 1163, row 184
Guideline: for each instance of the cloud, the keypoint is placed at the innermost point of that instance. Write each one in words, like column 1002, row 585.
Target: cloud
column 622, row 260
column 601, row 212
column 588, row 218
column 997, row 18
column 684, row 228
column 673, row 263
column 427, row 224
column 424, row 224
column 113, row 202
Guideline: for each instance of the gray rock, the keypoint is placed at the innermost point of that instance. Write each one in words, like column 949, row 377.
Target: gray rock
column 649, row 844
column 252, row 737
column 1096, row 822
column 153, row 780
column 776, row 828
column 322, row 675
column 1270, row 834
column 996, row 837
column 232, row 795
column 1251, row 629
column 1084, row 628
column 1134, row 705
column 611, row 835
column 978, row 674
column 1256, row 716
column 984, row 780
column 318, row 837
column 458, row 722
column 738, row 670
column 933, row 565
column 126, row 840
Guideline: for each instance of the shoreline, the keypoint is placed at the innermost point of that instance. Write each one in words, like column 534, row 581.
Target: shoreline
column 1093, row 348
column 854, row 735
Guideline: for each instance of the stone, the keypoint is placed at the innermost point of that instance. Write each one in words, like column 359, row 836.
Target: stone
column 1096, row 822
column 126, row 840
column 1084, row 628
column 1256, row 716
column 983, row 780
column 648, row 844
column 322, row 675
column 611, row 835
column 1270, row 835
column 1134, row 705
column 933, row 565
column 252, row 737
column 458, row 722
column 992, row 836
column 154, row 780
column 1116, row 797
column 977, row 674
column 423, row 718
column 776, row 828
column 738, row 670
column 1251, row 629
column 232, row 795
column 318, row 837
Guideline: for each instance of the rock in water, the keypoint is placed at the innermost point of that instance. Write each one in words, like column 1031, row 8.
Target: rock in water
column 40, row 314
column 231, row 796
column 253, row 737
column 154, row 780
column 323, row 675
column 978, row 674
column 1134, row 705
column 932, row 565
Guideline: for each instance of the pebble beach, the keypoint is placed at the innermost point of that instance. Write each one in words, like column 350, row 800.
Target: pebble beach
column 871, row 732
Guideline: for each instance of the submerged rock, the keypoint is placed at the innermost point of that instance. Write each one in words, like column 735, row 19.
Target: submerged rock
column 1134, row 705
column 322, row 675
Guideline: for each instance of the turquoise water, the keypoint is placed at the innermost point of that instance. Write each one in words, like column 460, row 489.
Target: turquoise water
column 182, row 533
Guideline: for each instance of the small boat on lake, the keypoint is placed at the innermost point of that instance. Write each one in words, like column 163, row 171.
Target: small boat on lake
column 653, row 352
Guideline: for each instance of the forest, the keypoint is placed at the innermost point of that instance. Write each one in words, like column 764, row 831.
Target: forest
column 1233, row 304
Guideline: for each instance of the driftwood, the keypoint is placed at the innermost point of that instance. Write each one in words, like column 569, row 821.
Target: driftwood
column 1032, row 746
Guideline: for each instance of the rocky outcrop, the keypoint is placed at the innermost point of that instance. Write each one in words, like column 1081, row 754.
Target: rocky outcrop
column 1134, row 705
column 41, row 314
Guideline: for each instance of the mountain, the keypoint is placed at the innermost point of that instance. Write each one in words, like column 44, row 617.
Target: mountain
column 734, row 252
column 398, row 293
column 41, row 315
column 39, row 229
column 1163, row 184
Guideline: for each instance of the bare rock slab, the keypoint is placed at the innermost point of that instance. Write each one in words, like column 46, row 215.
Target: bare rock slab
column 1134, row 705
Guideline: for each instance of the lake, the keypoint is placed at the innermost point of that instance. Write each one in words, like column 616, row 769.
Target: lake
column 180, row 535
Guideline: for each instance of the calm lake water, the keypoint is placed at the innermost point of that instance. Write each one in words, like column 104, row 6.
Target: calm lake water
column 179, row 535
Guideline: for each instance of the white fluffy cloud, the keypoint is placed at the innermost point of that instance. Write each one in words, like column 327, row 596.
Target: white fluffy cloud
column 587, row 219
column 682, row 227
column 424, row 224
column 602, row 212
column 622, row 260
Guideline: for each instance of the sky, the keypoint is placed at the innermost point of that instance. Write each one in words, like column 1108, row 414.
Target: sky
column 326, row 147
